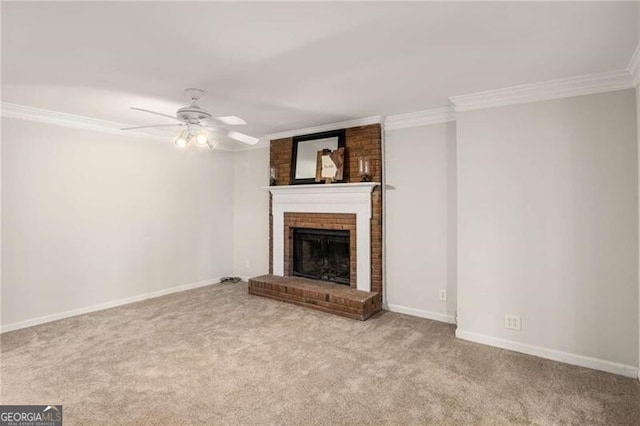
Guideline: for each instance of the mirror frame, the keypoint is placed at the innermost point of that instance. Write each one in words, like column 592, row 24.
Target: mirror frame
column 340, row 134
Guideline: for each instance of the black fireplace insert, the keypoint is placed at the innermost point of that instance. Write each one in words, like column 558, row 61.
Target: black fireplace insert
column 321, row 254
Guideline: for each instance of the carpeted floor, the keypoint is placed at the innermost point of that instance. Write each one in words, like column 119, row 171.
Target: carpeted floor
column 216, row 355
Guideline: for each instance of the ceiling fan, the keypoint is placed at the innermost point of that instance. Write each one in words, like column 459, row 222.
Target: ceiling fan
column 198, row 123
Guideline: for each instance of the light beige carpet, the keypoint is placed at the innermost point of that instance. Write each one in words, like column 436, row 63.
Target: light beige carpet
column 216, row 355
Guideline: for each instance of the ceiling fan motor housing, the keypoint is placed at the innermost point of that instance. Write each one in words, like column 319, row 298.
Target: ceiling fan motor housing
column 192, row 114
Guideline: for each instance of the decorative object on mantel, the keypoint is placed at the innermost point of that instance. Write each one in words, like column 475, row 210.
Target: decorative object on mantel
column 304, row 154
column 273, row 175
column 330, row 165
column 363, row 167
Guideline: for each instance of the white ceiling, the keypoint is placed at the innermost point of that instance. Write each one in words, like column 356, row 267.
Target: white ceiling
column 284, row 66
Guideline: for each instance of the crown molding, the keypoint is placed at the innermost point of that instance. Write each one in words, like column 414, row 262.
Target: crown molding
column 420, row 118
column 39, row 115
column 553, row 89
column 23, row 112
column 634, row 66
column 326, row 127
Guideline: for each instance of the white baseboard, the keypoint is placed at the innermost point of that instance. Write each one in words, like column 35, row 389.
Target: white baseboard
column 112, row 304
column 419, row 313
column 552, row 354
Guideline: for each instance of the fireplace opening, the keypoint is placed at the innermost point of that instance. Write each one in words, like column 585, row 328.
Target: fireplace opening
column 321, row 254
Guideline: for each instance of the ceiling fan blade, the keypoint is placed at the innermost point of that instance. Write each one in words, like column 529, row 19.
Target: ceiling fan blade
column 232, row 120
column 156, row 113
column 155, row 125
column 241, row 137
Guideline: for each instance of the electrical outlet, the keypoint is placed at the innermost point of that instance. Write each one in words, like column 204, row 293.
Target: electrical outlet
column 246, row 263
column 442, row 294
column 512, row 322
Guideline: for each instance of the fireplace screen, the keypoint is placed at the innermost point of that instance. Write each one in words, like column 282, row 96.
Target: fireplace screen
column 321, row 254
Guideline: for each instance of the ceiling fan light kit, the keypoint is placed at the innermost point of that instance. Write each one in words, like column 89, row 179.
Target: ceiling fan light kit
column 199, row 136
column 181, row 142
column 197, row 122
column 201, row 139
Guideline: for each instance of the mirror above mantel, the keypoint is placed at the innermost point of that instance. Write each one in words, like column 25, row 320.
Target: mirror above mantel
column 304, row 154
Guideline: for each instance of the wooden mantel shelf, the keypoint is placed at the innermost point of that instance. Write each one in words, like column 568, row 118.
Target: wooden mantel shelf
column 359, row 187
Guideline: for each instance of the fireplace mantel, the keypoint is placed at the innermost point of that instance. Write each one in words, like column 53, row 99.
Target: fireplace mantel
column 354, row 198
column 333, row 188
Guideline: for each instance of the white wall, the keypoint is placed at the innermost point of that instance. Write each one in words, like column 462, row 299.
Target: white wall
column 89, row 218
column 548, row 227
column 251, row 213
column 420, row 220
column 638, row 145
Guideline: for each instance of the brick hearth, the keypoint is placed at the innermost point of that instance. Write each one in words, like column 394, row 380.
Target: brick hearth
column 322, row 296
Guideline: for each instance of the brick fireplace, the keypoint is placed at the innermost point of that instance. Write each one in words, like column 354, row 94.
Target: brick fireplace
column 352, row 206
